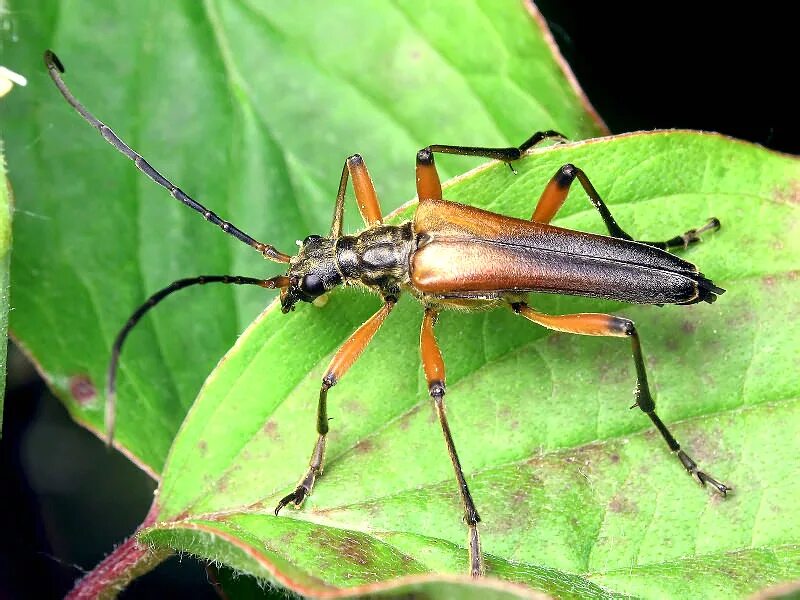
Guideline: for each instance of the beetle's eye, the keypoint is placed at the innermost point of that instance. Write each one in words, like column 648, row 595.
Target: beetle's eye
column 312, row 285
column 311, row 238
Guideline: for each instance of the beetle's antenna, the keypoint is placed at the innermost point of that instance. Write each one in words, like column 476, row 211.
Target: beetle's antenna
column 56, row 68
column 111, row 379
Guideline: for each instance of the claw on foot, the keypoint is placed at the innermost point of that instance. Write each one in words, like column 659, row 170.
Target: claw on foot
column 702, row 478
column 296, row 498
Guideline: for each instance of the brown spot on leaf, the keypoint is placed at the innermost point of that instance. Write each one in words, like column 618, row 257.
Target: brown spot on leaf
column 82, row 389
column 520, row 496
column 184, row 514
column 287, row 538
column 202, row 446
column 672, row 344
column 270, row 429
column 716, row 498
column 688, row 326
column 789, row 194
column 354, row 550
column 621, row 504
column 506, row 415
column 556, row 340
column 614, row 458
column 768, row 281
column 351, row 549
column 364, row 447
column 354, row 407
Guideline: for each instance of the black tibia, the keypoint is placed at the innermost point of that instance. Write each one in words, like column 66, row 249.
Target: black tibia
column 55, row 68
column 644, row 400
column 505, row 154
column 306, row 484
column 471, row 516
column 338, row 210
column 433, row 367
column 428, row 183
column 341, row 362
column 608, row 325
column 567, row 174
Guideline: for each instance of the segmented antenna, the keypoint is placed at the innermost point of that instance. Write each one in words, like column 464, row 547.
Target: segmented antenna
column 111, row 379
column 56, row 68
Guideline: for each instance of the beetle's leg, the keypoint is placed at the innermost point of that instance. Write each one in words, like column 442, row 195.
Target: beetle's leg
column 555, row 194
column 433, row 365
column 505, row 154
column 341, row 362
column 428, row 185
column 609, row 325
column 366, row 197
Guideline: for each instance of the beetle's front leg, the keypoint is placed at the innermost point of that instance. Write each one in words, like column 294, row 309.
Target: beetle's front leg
column 367, row 199
column 341, row 362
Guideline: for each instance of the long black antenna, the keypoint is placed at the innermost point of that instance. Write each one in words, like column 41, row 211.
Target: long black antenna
column 111, row 379
column 55, row 68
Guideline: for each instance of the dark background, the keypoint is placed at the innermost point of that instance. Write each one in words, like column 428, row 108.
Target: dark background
column 713, row 68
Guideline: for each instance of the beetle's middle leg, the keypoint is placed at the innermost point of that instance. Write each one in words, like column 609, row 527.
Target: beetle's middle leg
column 556, row 192
column 609, row 325
column 341, row 362
column 433, row 365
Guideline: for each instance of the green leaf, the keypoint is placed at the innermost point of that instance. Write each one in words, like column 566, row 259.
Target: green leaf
column 579, row 496
column 5, row 247
column 251, row 107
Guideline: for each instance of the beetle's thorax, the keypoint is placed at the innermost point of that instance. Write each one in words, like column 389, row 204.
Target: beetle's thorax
column 377, row 257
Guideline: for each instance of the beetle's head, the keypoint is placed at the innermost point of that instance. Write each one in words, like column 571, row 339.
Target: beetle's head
column 312, row 272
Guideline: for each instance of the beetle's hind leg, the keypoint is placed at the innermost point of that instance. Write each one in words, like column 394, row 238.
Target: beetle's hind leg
column 341, row 362
column 609, row 325
column 556, row 192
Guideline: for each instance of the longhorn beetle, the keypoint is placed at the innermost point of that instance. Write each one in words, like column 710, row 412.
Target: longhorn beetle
column 452, row 256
